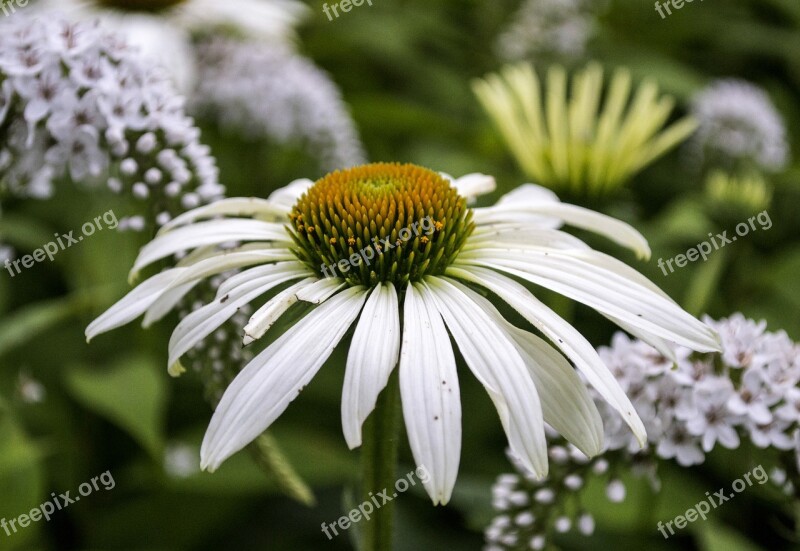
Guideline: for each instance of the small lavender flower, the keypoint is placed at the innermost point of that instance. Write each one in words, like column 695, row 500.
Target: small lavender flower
column 560, row 28
column 748, row 393
column 75, row 102
column 738, row 124
column 271, row 91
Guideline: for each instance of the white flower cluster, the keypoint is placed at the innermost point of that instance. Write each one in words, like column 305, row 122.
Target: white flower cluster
column 748, row 393
column 706, row 400
column 560, row 28
column 530, row 510
column 76, row 102
column 268, row 90
column 738, row 122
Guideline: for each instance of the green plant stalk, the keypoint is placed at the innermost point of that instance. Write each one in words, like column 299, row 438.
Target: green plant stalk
column 378, row 464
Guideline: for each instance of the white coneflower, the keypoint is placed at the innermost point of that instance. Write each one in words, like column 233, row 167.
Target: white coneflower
column 79, row 104
column 163, row 29
column 429, row 253
column 738, row 125
column 560, row 136
column 560, row 28
column 268, row 90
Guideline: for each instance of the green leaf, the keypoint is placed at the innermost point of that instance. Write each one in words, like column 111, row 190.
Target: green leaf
column 23, row 232
column 716, row 537
column 131, row 394
column 28, row 322
column 21, row 479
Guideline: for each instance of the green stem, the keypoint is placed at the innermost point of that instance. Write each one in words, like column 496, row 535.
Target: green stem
column 378, row 462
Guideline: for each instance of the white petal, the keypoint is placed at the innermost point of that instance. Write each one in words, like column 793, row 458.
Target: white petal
column 561, row 333
column 221, row 261
column 566, row 404
column 615, row 230
column 610, row 292
column 235, row 206
column 528, row 194
column 207, row 233
column 430, row 393
column 268, row 314
column 372, row 356
column 168, row 300
column 266, row 386
column 133, row 305
column 321, row 290
column 287, row 196
column 663, row 346
column 472, row 185
column 498, row 365
column 514, row 236
column 200, row 323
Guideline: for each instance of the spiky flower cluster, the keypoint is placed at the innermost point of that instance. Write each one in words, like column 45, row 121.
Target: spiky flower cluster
column 269, row 90
column 739, row 125
column 563, row 138
column 560, row 28
column 78, row 104
column 748, row 393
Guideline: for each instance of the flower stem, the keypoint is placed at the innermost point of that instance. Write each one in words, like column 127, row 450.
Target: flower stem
column 379, row 459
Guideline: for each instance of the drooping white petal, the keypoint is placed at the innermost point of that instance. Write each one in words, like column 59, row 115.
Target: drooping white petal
column 203, row 321
column 168, row 300
column 320, row 290
column 497, row 364
column 615, row 230
column 234, row 206
column 266, row 386
column 268, row 314
column 132, row 305
column 372, row 356
column 562, row 334
column 514, row 236
column 207, row 233
column 665, row 347
column 609, row 292
column 430, row 393
column 221, row 262
column 258, row 271
column 566, row 403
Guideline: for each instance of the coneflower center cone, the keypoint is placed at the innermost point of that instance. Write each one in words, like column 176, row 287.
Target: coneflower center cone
column 381, row 222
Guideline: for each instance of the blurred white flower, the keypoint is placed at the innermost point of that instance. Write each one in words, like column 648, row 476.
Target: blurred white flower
column 163, row 29
column 181, row 460
column 78, row 103
column 561, row 28
column 271, row 91
column 738, row 123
